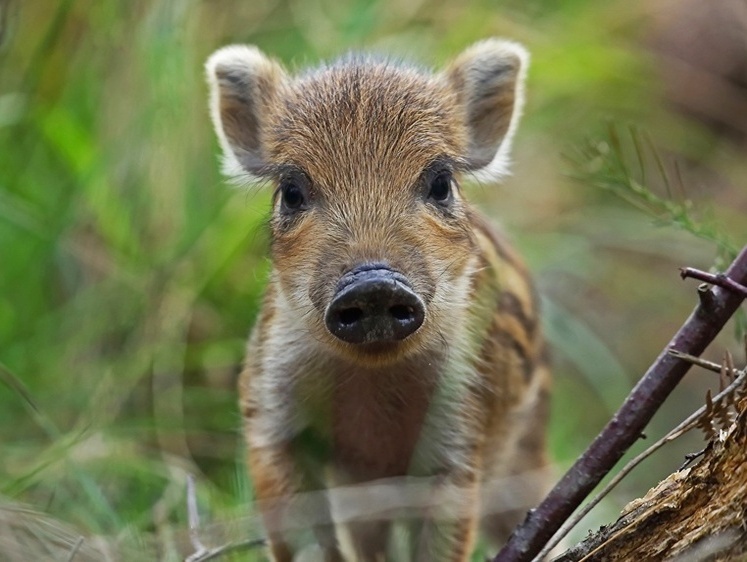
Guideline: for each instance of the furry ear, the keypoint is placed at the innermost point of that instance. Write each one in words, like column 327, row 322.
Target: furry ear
column 243, row 82
column 488, row 80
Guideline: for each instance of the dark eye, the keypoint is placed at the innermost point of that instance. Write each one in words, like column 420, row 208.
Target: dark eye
column 293, row 197
column 440, row 188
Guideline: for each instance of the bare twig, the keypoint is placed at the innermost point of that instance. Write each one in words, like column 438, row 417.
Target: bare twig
column 193, row 516
column 706, row 321
column 686, row 425
column 690, row 457
column 201, row 552
column 75, row 549
column 718, row 279
column 699, row 361
column 218, row 551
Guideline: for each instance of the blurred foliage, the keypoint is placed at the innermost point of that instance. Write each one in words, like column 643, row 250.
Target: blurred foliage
column 130, row 273
column 607, row 164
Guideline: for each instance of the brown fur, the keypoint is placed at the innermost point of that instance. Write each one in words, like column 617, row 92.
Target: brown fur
column 462, row 401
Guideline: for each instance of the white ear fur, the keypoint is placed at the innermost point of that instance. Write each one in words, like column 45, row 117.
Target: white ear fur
column 488, row 79
column 242, row 80
column 489, row 71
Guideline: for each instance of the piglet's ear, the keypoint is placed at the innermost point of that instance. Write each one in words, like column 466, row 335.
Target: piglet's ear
column 488, row 80
column 243, row 83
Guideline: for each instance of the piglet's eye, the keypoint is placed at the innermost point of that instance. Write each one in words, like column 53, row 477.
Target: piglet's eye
column 440, row 188
column 293, row 197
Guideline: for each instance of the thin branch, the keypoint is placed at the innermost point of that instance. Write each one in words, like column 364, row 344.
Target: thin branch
column 193, row 516
column 218, row 551
column 690, row 457
column 699, row 361
column 686, row 425
column 75, row 549
column 625, row 427
column 201, row 552
column 718, row 279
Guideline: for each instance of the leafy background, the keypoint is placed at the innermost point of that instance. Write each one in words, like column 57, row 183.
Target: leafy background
column 130, row 274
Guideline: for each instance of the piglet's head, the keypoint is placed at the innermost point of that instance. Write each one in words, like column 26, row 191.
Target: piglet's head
column 373, row 245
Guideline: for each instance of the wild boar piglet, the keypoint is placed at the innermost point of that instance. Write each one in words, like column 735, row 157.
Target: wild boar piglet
column 394, row 392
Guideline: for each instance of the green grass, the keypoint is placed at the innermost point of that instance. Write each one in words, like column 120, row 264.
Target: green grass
column 130, row 273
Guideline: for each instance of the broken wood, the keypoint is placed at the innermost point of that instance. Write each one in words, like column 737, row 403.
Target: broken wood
column 699, row 513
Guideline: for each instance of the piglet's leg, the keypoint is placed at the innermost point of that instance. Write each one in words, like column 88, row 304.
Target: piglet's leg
column 448, row 529
column 287, row 507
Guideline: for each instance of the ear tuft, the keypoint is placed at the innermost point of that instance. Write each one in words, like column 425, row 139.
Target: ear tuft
column 488, row 79
column 243, row 83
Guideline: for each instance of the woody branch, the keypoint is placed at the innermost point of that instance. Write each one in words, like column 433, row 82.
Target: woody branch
column 717, row 304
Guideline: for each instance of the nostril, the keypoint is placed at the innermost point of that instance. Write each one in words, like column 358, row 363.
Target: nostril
column 402, row 312
column 374, row 306
column 349, row 316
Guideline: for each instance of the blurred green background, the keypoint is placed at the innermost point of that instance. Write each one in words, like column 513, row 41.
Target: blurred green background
column 130, row 273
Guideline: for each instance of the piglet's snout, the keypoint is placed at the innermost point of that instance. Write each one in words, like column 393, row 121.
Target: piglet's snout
column 374, row 304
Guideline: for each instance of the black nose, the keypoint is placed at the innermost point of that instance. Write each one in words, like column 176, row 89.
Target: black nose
column 374, row 304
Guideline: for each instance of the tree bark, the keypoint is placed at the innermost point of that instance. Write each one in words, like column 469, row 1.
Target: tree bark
column 699, row 513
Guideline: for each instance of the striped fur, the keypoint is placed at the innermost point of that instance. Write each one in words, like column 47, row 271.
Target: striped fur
column 460, row 404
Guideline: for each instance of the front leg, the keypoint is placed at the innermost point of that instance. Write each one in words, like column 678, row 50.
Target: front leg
column 274, row 487
column 288, row 506
column 290, row 493
column 448, row 529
